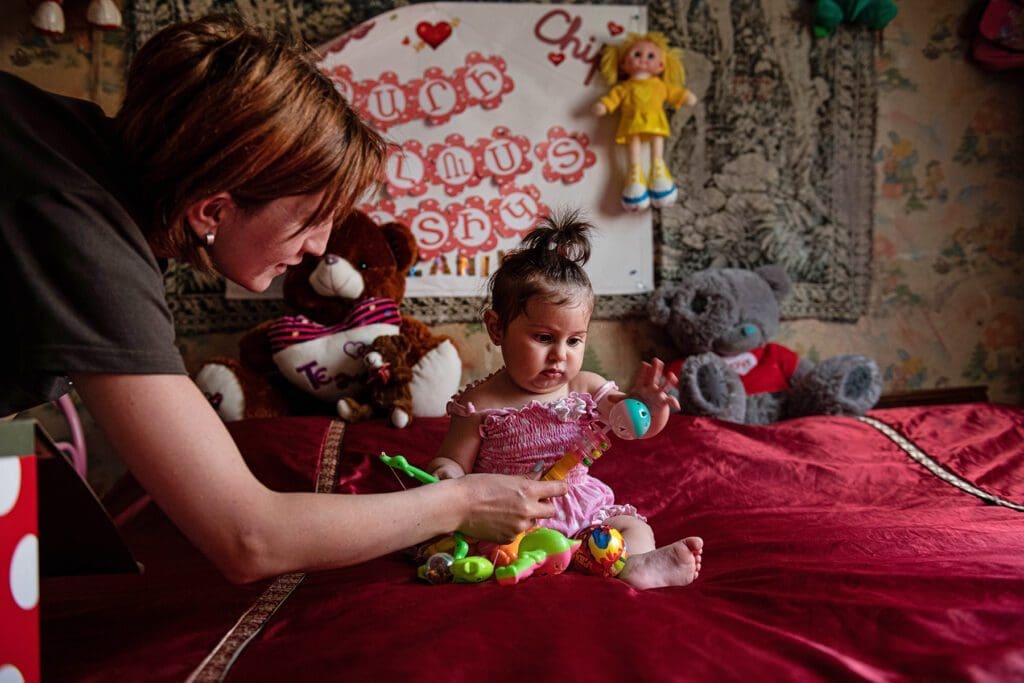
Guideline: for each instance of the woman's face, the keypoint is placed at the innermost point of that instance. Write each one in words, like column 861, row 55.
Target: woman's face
column 643, row 57
column 251, row 248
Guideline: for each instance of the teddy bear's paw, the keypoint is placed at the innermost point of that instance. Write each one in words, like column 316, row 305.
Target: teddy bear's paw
column 765, row 408
column 707, row 386
column 400, row 418
column 435, row 379
column 223, row 390
column 841, row 385
column 351, row 410
column 373, row 360
column 346, row 411
column 862, row 385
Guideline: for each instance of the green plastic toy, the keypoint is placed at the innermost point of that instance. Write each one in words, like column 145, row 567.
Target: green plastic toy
column 472, row 569
column 398, row 462
column 541, row 551
column 828, row 14
column 458, row 566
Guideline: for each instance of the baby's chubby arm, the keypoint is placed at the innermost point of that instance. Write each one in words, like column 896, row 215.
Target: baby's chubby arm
column 458, row 451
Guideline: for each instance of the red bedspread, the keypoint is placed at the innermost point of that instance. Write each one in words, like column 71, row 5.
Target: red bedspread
column 833, row 550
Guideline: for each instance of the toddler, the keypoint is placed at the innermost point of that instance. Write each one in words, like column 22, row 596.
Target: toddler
column 528, row 414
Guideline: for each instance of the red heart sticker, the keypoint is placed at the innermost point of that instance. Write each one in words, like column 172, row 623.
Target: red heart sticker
column 433, row 34
column 556, row 58
column 614, row 29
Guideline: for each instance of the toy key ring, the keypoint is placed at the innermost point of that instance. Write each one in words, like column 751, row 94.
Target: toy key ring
column 398, row 462
column 458, row 565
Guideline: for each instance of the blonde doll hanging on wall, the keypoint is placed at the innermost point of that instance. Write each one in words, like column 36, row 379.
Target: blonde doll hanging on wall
column 645, row 75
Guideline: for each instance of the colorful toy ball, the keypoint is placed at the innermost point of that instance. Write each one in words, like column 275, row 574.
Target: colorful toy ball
column 629, row 419
column 602, row 551
column 437, row 569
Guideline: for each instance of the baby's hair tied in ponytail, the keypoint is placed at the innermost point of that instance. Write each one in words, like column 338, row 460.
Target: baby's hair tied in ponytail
column 564, row 235
column 549, row 263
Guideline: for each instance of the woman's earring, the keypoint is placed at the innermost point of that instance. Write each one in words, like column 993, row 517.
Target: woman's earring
column 210, row 238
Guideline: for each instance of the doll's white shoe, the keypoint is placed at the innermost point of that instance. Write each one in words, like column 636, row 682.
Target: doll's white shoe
column 662, row 188
column 634, row 194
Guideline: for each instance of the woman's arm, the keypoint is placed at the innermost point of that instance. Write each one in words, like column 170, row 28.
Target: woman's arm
column 178, row 449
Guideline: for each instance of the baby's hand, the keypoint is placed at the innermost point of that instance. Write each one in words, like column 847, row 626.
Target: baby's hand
column 651, row 386
column 599, row 109
column 445, row 468
column 451, row 471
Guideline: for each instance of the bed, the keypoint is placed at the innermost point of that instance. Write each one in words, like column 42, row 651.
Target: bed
column 884, row 548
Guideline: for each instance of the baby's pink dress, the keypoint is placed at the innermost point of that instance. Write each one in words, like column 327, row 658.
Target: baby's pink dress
column 514, row 440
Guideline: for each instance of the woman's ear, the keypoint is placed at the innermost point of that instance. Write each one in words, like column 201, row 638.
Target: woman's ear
column 493, row 324
column 206, row 215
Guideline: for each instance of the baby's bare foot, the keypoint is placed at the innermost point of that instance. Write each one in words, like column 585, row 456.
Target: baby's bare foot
column 671, row 565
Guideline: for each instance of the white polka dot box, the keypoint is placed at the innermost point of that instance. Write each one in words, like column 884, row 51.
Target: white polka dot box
column 19, row 554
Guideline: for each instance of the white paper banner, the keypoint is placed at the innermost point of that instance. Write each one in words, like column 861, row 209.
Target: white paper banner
column 490, row 105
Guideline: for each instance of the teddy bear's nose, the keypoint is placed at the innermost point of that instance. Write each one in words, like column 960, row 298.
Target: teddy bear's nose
column 331, row 259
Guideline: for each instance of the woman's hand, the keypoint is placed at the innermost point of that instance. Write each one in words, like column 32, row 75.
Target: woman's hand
column 650, row 386
column 500, row 506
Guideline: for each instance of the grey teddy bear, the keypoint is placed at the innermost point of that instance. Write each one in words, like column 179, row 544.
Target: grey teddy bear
column 720, row 321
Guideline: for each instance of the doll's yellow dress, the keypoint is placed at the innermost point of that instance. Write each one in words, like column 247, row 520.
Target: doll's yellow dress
column 642, row 104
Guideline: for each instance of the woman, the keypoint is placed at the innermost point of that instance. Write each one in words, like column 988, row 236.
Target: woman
column 234, row 152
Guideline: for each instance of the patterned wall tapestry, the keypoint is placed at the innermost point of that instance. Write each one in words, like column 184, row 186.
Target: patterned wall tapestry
column 778, row 155
column 775, row 161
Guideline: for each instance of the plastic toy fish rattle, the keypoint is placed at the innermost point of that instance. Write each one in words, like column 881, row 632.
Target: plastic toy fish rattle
column 629, row 419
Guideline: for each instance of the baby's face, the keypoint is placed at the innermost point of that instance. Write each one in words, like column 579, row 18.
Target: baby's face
column 543, row 348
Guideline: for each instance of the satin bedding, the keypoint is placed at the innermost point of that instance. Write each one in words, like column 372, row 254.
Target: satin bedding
column 889, row 548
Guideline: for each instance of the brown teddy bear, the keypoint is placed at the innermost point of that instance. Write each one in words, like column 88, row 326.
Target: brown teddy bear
column 347, row 299
column 387, row 384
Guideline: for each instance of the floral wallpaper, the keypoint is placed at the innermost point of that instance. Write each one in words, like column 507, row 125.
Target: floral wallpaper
column 947, row 299
column 949, row 237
